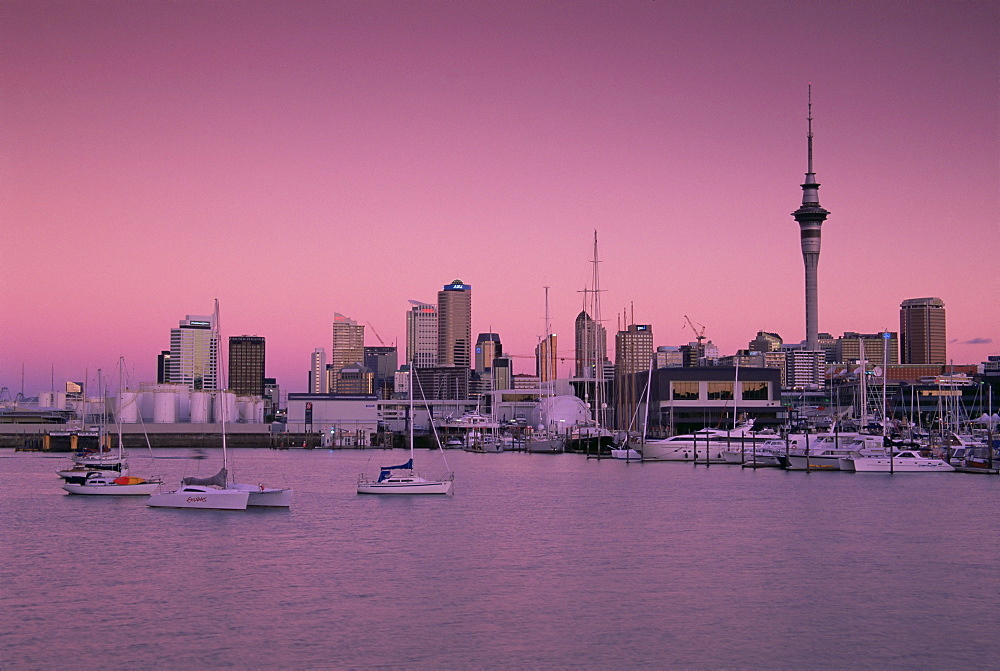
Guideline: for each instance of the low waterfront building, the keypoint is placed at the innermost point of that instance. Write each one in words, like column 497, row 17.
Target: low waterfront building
column 687, row 399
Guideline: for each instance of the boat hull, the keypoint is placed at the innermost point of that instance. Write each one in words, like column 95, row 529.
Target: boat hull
column 415, row 486
column 265, row 497
column 143, row 489
column 205, row 498
column 800, row 462
column 901, row 465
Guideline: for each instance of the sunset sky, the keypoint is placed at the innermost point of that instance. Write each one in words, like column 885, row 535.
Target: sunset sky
column 297, row 159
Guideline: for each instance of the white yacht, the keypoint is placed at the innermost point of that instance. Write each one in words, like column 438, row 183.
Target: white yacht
column 906, row 461
column 826, row 452
column 706, row 445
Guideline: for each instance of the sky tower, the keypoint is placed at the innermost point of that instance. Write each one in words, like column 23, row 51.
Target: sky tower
column 811, row 217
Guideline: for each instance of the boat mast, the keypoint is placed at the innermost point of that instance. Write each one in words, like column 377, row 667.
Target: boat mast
column 429, row 419
column 220, row 393
column 599, row 416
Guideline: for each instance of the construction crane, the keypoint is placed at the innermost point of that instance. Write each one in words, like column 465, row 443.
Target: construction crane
column 699, row 335
column 380, row 341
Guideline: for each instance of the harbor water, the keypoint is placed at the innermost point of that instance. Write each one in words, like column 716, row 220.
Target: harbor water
column 536, row 561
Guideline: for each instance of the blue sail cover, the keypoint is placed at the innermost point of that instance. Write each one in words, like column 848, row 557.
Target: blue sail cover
column 387, row 470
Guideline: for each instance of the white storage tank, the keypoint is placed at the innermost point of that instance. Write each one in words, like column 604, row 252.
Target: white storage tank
column 46, row 399
column 225, row 407
column 164, row 407
column 128, row 413
column 256, row 411
column 201, row 407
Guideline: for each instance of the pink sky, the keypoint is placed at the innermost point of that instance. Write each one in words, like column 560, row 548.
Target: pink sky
column 299, row 159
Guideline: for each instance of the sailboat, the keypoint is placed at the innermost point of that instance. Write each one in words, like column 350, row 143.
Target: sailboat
column 217, row 492
column 103, row 483
column 403, row 479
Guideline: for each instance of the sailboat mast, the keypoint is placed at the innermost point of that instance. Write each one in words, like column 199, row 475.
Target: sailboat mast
column 220, row 393
column 411, row 413
column 598, row 359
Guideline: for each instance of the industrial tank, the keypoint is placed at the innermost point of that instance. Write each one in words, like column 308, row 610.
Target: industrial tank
column 128, row 413
column 201, row 407
column 164, row 406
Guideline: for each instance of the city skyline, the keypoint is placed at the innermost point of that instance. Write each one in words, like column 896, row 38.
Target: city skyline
column 295, row 162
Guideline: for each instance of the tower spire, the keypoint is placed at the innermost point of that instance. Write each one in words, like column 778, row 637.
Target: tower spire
column 810, row 218
column 809, row 136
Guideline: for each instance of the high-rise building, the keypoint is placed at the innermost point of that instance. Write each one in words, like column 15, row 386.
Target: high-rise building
column 810, row 217
column 163, row 367
column 545, row 358
column 879, row 348
column 669, row 356
column 422, row 335
column 348, row 347
column 804, row 368
column 591, row 344
column 633, row 356
column 488, row 347
column 246, row 365
column 455, row 325
column 503, row 372
column 318, row 382
column 766, row 342
column 634, row 349
column 382, row 362
column 922, row 338
column 194, row 353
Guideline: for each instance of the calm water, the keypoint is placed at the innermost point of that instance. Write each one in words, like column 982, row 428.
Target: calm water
column 536, row 561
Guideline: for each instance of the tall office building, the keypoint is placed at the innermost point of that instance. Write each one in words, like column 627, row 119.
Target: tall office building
column 634, row 349
column 810, row 217
column 194, row 353
column 382, row 362
column 246, row 365
column 348, row 347
column 545, row 359
column 488, row 347
column 422, row 335
column 163, row 367
column 591, row 344
column 455, row 325
column 318, row 381
column 922, row 337
column 766, row 342
column 879, row 348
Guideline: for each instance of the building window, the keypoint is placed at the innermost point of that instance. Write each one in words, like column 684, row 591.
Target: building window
column 720, row 391
column 684, row 391
column 754, row 391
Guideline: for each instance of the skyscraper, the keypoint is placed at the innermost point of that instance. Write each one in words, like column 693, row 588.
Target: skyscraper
column 488, row 347
column 194, row 353
column 455, row 325
column 422, row 335
column 922, row 337
column 591, row 344
column 545, row 359
column 348, row 346
column 318, row 383
column 811, row 217
column 634, row 349
column 246, row 365
column 382, row 362
column 163, row 367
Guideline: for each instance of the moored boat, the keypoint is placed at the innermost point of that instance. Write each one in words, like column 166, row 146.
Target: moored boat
column 906, row 461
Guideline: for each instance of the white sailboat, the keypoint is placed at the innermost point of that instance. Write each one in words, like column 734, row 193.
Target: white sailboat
column 217, row 492
column 110, row 477
column 403, row 479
